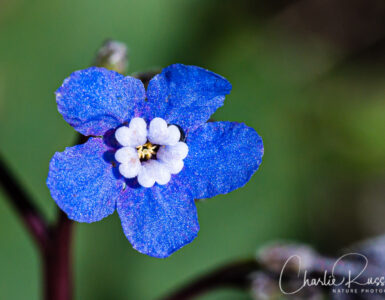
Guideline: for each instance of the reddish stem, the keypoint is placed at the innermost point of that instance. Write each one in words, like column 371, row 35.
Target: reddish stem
column 57, row 261
column 21, row 202
column 236, row 275
column 54, row 243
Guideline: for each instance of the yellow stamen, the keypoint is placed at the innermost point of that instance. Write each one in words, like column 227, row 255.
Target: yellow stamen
column 146, row 151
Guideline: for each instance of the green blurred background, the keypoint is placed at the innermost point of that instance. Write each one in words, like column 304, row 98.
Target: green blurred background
column 308, row 75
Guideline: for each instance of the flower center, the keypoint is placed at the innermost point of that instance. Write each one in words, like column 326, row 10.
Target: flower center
column 147, row 151
column 151, row 153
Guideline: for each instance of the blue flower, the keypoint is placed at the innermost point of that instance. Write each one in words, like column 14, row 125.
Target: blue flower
column 149, row 153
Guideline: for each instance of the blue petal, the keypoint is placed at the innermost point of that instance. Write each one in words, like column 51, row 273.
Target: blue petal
column 222, row 157
column 158, row 220
column 186, row 95
column 95, row 100
column 82, row 182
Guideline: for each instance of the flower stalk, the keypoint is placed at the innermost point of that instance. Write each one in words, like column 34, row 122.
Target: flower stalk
column 53, row 242
column 235, row 275
column 57, row 261
column 23, row 205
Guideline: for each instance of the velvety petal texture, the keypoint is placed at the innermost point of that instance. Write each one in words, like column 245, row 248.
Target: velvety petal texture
column 82, row 182
column 95, row 100
column 158, row 220
column 186, row 95
column 145, row 166
column 222, row 157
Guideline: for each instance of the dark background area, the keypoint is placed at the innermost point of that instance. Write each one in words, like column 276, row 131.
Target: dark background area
column 308, row 75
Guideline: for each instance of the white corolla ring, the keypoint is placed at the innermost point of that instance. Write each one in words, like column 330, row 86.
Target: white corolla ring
column 152, row 154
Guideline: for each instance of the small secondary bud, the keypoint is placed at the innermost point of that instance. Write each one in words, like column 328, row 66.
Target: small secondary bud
column 294, row 257
column 113, row 56
column 265, row 287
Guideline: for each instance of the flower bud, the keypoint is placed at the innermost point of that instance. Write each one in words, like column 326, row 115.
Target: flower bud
column 113, row 56
column 294, row 257
column 265, row 287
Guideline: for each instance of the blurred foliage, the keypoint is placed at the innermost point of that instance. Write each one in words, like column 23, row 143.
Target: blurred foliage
column 319, row 106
